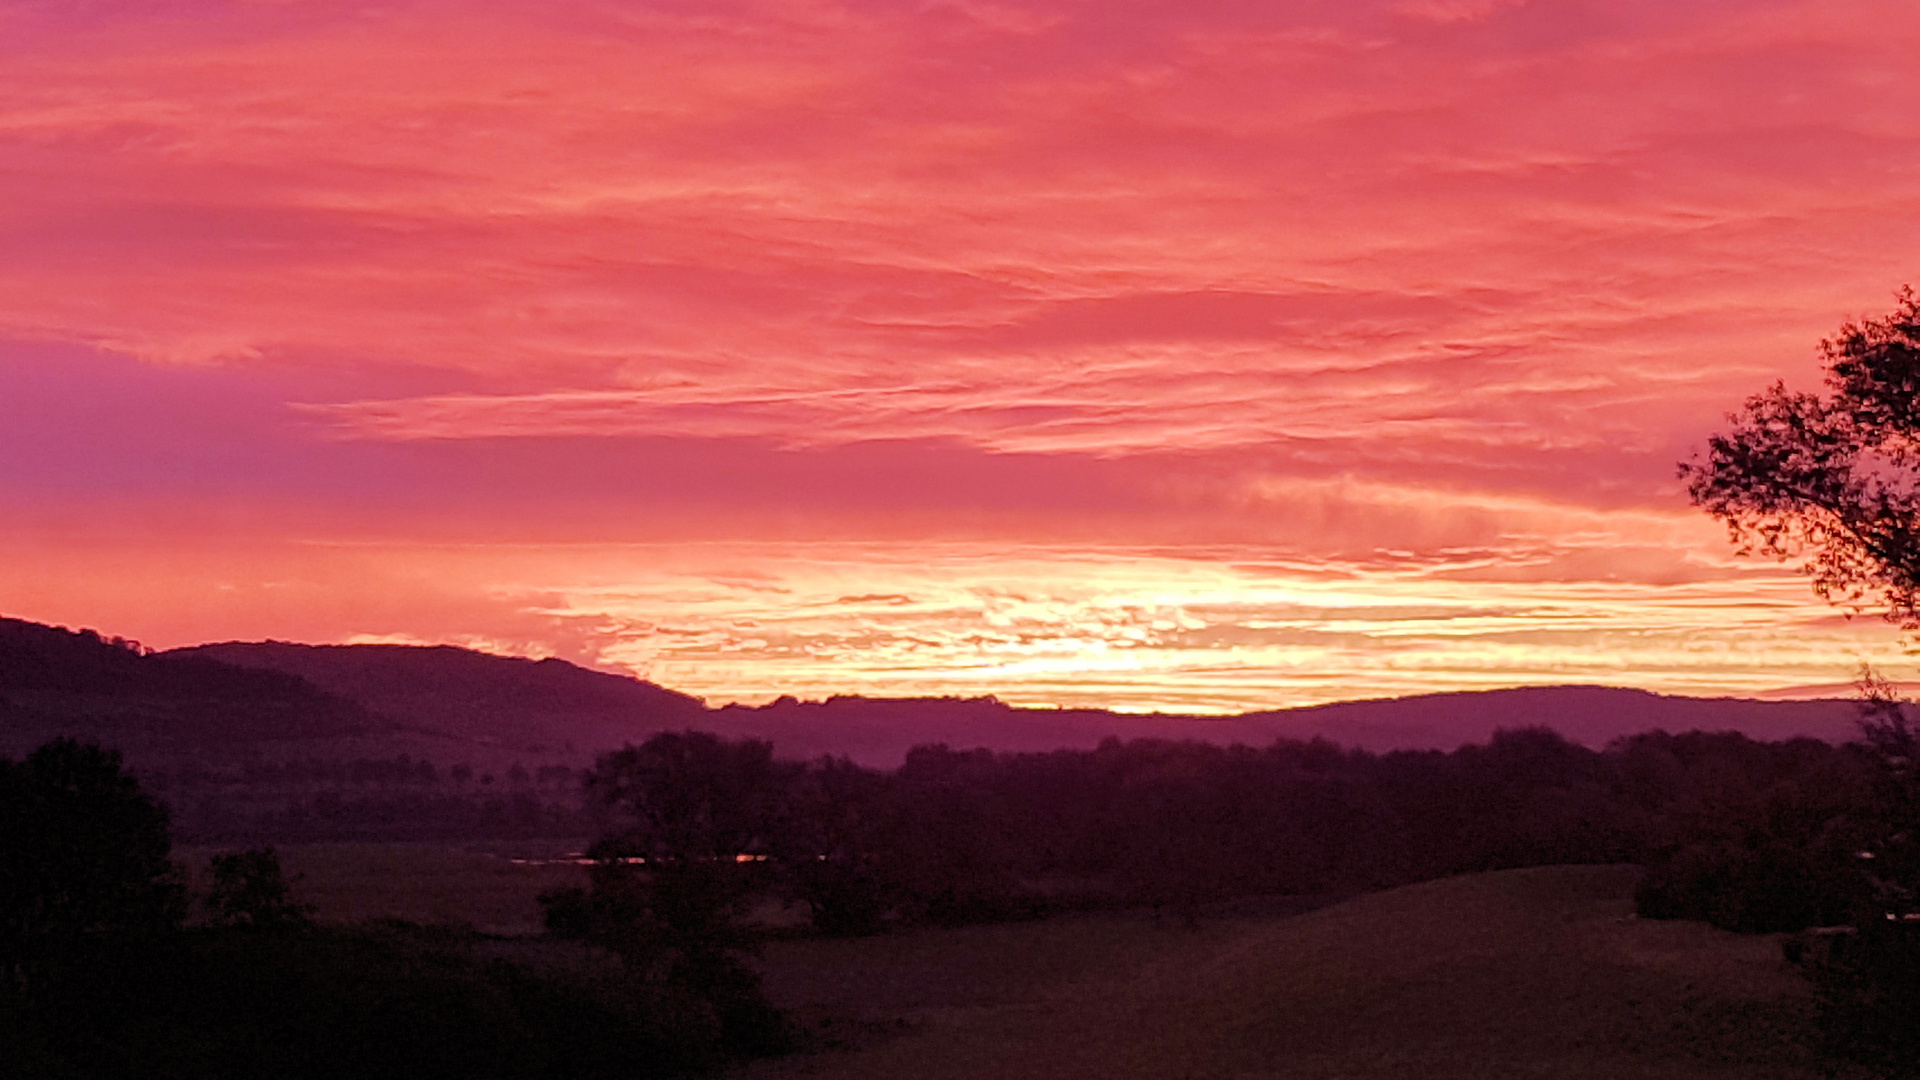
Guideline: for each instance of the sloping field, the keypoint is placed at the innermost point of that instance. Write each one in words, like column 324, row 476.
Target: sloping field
column 1527, row 973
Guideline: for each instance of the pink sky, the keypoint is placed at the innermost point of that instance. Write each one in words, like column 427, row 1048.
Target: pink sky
column 1196, row 355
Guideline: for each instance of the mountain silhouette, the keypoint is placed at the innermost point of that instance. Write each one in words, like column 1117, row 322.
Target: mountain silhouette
column 449, row 702
column 879, row 731
column 55, row 681
column 504, row 700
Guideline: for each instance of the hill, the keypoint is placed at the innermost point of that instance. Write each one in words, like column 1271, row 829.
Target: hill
column 452, row 704
column 1591, row 715
column 55, row 681
column 1537, row 972
column 510, row 701
column 879, row 731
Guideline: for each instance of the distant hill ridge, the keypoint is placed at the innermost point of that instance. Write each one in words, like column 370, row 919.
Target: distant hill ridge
column 232, row 694
column 473, row 695
column 55, row 681
column 881, row 730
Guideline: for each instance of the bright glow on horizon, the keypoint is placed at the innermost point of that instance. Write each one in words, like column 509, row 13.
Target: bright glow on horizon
column 1142, row 631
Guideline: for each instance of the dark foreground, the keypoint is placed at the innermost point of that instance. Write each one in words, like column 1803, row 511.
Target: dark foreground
column 1538, row 973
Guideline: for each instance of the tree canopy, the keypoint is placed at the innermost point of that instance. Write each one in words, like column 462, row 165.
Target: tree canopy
column 83, row 857
column 1832, row 478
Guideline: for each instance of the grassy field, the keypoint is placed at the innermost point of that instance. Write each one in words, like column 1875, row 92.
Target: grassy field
column 1528, row 973
column 416, row 882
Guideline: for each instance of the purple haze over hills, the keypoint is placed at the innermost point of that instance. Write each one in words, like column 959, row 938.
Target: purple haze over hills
column 562, row 708
column 879, row 731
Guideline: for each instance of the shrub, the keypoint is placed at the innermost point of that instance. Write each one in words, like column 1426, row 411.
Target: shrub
column 250, row 889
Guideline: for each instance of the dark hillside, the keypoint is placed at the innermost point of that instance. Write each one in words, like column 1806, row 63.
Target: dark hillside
column 473, row 695
column 55, row 681
column 1590, row 715
column 551, row 706
column 879, row 731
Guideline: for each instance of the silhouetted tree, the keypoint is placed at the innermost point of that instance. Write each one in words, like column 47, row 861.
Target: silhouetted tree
column 830, row 847
column 250, row 889
column 691, row 816
column 83, row 860
column 1868, row 982
column 1169, row 816
column 1833, row 479
column 951, row 855
column 1894, row 838
column 690, row 796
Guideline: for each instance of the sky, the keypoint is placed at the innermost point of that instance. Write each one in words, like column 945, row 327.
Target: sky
column 1196, row 355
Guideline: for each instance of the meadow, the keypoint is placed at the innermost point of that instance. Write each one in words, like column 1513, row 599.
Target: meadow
column 482, row 888
column 1540, row 972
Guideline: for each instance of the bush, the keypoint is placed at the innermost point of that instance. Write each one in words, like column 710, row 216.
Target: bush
column 1767, row 888
column 250, row 889
column 375, row 1002
column 1868, row 987
column 674, row 929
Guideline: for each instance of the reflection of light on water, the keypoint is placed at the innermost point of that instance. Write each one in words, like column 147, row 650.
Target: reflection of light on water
column 579, row 858
column 576, row 858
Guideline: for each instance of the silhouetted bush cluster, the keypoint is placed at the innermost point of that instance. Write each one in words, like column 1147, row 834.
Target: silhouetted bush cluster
column 1748, row 835
column 1868, row 984
column 100, row 976
column 1757, row 837
column 366, row 800
column 1756, row 888
column 1752, row 837
column 376, row 1001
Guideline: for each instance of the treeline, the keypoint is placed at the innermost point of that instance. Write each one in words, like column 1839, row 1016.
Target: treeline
column 54, row 680
column 103, row 975
column 316, row 800
column 1750, row 836
column 956, row 836
column 402, row 770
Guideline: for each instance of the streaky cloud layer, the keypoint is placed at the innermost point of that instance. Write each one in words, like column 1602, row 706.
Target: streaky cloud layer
column 1214, row 355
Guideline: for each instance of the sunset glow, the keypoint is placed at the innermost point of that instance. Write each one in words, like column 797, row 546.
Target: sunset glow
column 1206, row 356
